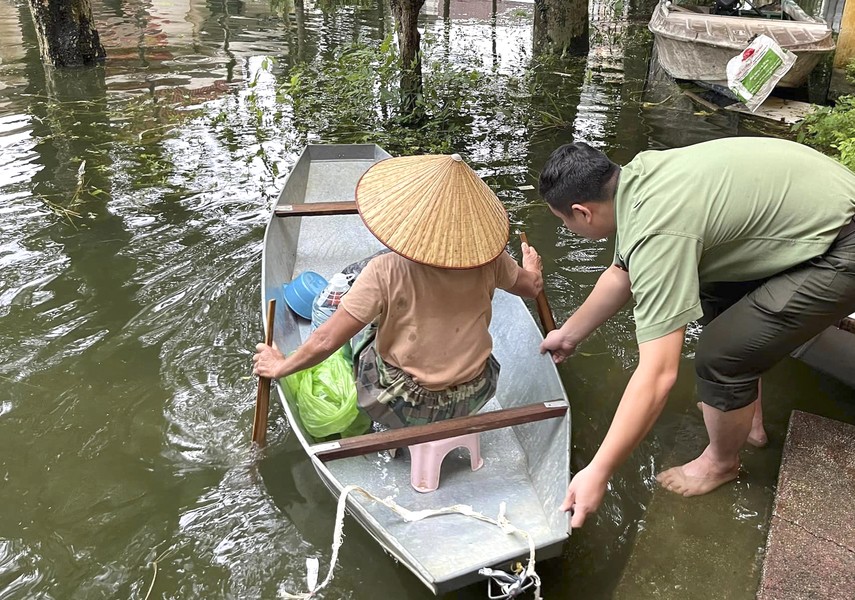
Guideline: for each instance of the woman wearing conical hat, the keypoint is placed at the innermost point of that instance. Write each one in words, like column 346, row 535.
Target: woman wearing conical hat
column 430, row 357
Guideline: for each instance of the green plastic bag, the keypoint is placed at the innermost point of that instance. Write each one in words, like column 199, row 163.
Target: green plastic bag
column 326, row 399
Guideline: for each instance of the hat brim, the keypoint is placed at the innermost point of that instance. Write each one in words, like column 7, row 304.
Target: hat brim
column 433, row 210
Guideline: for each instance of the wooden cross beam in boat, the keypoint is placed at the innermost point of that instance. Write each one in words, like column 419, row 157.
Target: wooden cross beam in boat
column 417, row 434
column 315, row 209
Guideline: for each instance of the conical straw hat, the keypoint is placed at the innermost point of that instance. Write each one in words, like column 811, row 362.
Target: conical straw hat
column 433, row 209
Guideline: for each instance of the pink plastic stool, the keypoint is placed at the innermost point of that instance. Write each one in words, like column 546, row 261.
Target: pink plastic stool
column 426, row 459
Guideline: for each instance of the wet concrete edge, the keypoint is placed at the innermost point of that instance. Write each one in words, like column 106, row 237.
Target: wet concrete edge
column 810, row 549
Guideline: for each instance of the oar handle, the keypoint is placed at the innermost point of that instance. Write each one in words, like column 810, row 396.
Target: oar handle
column 543, row 310
column 262, row 398
column 271, row 315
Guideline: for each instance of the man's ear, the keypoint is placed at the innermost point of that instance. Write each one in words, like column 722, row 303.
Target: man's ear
column 581, row 211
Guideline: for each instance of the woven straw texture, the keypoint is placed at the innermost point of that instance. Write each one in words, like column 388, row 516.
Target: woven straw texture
column 433, row 209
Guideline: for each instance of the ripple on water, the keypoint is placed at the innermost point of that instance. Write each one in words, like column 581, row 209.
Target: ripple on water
column 236, row 527
column 18, row 158
column 21, row 578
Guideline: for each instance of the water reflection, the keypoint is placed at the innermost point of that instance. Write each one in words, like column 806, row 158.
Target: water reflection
column 125, row 390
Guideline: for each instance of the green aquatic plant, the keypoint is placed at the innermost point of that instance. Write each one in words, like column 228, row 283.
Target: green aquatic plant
column 69, row 209
column 472, row 103
column 849, row 69
column 352, row 96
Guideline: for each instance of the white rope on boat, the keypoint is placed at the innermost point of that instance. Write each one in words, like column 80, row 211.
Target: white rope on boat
column 511, row 589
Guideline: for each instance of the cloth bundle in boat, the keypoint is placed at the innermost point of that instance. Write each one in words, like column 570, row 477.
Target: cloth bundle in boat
column 326, row 399
column 434, row 210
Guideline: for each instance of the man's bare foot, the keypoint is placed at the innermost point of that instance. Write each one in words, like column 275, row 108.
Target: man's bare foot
column 757, row 437
column 696, row 478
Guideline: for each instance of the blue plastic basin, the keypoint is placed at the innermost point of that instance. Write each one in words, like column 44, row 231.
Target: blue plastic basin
column 302, row 291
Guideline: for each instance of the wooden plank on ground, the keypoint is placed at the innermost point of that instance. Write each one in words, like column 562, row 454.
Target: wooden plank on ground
column 777, row 109
column 810, row 551
column 398, row 438
column 316, row 209
column 703, row 102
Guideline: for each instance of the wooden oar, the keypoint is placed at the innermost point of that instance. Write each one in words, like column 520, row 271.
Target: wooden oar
column 262, row 398
column 543, row 310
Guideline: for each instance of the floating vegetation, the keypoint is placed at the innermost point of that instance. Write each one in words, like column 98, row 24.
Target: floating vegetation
column 151, row 117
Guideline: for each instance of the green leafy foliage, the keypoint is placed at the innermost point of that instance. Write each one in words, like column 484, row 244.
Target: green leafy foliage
column 832, row 130
column 353, row 96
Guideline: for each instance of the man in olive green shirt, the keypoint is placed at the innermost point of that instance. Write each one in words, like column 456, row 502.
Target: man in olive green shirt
column 753, row 237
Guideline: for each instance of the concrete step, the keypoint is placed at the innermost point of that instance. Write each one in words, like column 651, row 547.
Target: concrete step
column 810, row 551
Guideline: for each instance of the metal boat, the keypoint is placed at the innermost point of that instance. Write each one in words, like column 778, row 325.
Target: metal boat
column 526, row 466
column 693, row 43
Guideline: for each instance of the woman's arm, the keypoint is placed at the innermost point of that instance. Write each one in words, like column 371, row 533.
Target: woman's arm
column 326, row 339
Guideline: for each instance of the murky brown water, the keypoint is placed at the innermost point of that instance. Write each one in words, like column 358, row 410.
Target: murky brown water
column 133, row 199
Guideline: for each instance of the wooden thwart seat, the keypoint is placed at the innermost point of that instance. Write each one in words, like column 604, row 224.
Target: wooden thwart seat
column 407, row 436
column 316, row 209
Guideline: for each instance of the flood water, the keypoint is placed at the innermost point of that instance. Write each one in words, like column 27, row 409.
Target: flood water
column 133, row 198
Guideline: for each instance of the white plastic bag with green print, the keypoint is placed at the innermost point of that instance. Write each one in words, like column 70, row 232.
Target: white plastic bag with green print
column 757, row 70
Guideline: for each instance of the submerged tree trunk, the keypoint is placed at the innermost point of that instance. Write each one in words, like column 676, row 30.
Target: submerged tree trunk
column 406, row 20
column 561, row 26
column 66, row 32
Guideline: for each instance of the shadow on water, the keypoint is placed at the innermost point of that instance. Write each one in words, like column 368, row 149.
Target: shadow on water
column 133, row 199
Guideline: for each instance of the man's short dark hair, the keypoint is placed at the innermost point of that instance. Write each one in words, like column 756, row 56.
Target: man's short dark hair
column 575, row 173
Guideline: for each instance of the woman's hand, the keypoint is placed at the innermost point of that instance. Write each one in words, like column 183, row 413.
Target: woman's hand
column 268, row 361
column 531, row 260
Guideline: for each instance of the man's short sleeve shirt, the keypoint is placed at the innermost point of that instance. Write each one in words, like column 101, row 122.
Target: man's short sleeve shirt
column 737, row 209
